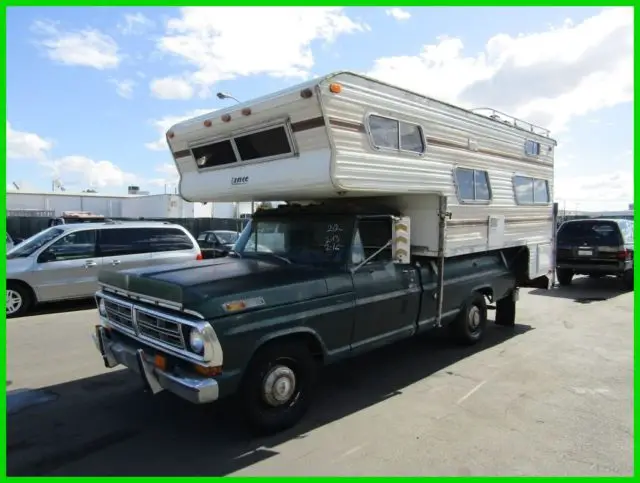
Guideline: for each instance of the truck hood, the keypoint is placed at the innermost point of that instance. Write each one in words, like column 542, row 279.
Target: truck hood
column 204, row 286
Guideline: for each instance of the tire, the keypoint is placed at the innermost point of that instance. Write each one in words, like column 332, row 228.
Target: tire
column 564, row 276
column 627, row 279
column 19, row 300
column 469, row 325
column 278, row 360
column 506, row 311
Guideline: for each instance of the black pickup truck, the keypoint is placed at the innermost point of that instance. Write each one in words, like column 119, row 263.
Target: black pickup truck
column 302, row 288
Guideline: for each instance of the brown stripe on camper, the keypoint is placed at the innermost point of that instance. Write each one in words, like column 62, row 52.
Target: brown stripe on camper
column 347, row 125
column 182, row 154
column 508, row 221
column 307, row 124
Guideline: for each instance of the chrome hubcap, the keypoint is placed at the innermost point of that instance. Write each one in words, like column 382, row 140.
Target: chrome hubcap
column 474, row 318
column 279, row 385
column 14, row 301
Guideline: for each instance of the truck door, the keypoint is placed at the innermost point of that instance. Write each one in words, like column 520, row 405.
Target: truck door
column 387, row 294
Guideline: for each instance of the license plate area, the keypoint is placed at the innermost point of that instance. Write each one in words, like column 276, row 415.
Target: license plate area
column 585, row 252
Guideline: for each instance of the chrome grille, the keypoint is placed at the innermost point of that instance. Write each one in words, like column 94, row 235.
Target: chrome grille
column 119, row 314
column 160, row 329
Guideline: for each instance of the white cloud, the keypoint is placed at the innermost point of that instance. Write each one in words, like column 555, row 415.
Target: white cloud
column 607, row 191
column 169, row 176
column 547, row 78
column 171, row 88
column 135, row 24
column 217, row 42
column 398, row 13
column 124, row 87
column 163, row 125
column 26, row 145
column 89, row 173
column 88, row 47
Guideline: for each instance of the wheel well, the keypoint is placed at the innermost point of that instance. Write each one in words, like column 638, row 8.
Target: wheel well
column 518, row 262
column 304, row 338
column 487, row 292
column 24, row 285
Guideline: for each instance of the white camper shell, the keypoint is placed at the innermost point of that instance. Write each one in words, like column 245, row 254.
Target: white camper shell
column 345, row 135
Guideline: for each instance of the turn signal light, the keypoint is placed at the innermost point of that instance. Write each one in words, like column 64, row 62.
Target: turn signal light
column 199, row 256
column 623, row 255
column 208, row 371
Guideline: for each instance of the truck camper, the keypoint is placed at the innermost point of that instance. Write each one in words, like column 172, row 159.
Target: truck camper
column 403, row 214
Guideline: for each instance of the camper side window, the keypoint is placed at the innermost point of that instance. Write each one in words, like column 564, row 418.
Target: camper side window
column 387, row 133
column 529, row 190
column 473, row 185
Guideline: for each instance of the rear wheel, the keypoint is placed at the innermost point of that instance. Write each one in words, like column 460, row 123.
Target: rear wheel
column 564, row 276
column 19, row 300
column 471, row 322
column 276, row 390
column 627, row 279
column 506, row 311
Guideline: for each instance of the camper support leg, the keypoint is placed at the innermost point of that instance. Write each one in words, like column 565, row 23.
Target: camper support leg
column 443, row 214
column 555, row 245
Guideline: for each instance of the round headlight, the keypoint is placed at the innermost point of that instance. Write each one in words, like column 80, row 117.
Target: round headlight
column 196, row 341
column 101, row 308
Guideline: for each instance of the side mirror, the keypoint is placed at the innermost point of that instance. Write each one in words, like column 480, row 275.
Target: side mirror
column 401, row 240
column 46, row 256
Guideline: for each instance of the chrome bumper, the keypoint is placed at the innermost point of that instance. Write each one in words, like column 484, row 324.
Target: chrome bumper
column 198, row 390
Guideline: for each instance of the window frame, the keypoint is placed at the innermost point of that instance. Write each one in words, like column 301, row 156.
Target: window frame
column 473, row 201
column 67, row 233
column 533, row 180
column 356, row 233
column 399, row 150
column 280, row 123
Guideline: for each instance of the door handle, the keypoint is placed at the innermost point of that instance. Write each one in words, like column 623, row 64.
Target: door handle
column 115, row 262
column 89, row 263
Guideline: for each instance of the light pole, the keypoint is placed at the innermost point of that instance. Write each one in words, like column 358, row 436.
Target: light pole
column 222, row 96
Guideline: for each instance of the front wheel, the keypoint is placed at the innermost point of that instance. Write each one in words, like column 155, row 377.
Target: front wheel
column 276, row 390
column 18, row 300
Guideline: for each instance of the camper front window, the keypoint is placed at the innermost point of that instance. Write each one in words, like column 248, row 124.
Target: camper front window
column 387, row 133
column 322, row 240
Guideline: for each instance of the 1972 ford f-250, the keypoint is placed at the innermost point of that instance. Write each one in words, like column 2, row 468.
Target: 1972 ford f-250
column 301, row 290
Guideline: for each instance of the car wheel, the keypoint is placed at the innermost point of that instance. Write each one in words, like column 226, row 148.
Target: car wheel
column 627, row 279
column 564, row 276
column 19, row 300
column 471, row 322
column 276, row 389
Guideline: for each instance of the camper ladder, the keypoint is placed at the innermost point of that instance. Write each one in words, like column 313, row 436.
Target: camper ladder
column 443, row 215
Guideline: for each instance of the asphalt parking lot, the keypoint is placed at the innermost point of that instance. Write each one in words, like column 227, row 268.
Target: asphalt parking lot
column 552, row 397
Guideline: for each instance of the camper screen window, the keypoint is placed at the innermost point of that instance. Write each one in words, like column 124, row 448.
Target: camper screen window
column 529, row 190
column 473, row 185
column 216, row 154
column 393, row 134
column 263, row 144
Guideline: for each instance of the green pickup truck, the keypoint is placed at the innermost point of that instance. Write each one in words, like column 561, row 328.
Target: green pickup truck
column 304, row 287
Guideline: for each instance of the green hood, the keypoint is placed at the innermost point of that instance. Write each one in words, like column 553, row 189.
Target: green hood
column 204, row 286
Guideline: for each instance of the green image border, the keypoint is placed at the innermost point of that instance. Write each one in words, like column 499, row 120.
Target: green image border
column 353, row 3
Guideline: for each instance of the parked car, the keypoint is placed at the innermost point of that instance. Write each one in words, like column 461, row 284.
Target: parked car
column 595, row 247
column 217, row 243
column 62, row 262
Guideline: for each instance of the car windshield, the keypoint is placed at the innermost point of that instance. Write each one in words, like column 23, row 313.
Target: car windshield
column 31, row 245
column 226, row 237
column 592, row 231
column 301, row 240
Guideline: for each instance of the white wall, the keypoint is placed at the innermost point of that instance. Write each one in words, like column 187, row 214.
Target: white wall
column 107, row 206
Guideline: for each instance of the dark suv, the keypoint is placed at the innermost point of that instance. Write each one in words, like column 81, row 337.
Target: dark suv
column 595, row 247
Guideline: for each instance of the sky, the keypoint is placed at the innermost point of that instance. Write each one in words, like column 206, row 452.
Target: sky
column 92, row 91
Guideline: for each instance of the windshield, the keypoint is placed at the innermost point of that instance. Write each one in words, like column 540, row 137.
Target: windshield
column 31, row 245
column 226, row 237
column 321, row 241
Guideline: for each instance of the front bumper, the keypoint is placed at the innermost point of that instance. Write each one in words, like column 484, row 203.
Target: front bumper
column 197, row 390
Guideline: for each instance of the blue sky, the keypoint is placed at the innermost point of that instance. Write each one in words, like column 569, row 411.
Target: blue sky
column 90, row 91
